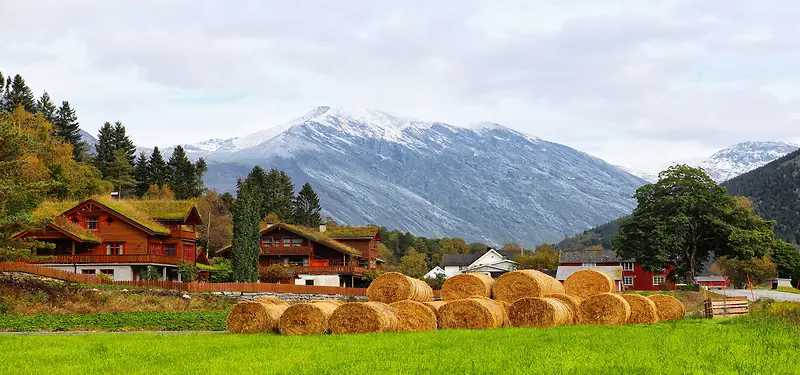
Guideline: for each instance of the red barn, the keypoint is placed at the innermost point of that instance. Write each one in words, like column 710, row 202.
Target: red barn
column 628, row 275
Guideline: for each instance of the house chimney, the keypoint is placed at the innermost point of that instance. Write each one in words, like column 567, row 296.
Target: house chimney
column 322, row 228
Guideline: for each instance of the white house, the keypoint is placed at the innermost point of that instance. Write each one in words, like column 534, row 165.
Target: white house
column 493, row 263
column 436, row 271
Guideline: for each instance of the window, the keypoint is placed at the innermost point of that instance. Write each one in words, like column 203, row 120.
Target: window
column 114, row 249
column 155, row 248
column 309, row 282
column 627, row 266
column 627, row 280
column 268, row 242
column 188, row 251
column 75, row 220
column 109, row 272
column 590, row 264
column 297, row 242
column 91, row 223
column 658, row 280
column 287, row 241
column 169, row 250
column 87, row 272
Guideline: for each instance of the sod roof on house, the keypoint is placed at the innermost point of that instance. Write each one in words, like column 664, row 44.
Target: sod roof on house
column 323, row 238
column 348, row 231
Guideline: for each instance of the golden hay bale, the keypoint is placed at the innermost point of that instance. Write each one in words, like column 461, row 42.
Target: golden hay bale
column 467, row 285
column 643, row 310
column 272, row 301
column 605, row 309
column 668, row 307
column 512, row 286
column 333, row 301
column 310, row 318
column 588, row 282
column 572, row 302
column 255, row 316
column 539, row 312
column 435, row 306
column 393, row 286
column 362, row 317
column 414, row 316
column 471, row 313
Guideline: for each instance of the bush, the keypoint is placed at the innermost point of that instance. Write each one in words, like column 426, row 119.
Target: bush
column 437, row 282
column 224, row 272
column 370, row 276
column 274, row 274
column 150, row 273
column 187, row 271
column 769, row 308
column 104, row 277
column 689, row 288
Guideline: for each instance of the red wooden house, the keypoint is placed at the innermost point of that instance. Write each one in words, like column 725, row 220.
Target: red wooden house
column 119, row 238
column 628, row 275
column 336, row 256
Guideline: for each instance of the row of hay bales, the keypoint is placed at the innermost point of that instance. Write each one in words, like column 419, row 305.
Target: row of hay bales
column 525, row 298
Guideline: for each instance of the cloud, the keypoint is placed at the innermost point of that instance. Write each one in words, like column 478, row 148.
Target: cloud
column 661, row 79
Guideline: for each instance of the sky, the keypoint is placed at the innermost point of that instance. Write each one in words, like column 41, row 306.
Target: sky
column 638, row 83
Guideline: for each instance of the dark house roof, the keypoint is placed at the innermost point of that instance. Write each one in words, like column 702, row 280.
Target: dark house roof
column 459, row 259
column 590, row 256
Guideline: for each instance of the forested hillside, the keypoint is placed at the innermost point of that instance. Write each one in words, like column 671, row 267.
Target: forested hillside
column 775, row 190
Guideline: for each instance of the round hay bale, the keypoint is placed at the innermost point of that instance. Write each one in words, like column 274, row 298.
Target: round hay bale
column 506, row 320
column 539, row 312
column 362, row 317
column 310, row 318
column 472, row 313
column 435, row 306
column 605, row 309
column 333, row 301
column 514, row 285
column 467, row 285
column 393, row 286
column 272, row 301
column 588, row 282
column 572, row 302
column 413, row 316
column 668, row 307
column 643, row 309
column 255, row 316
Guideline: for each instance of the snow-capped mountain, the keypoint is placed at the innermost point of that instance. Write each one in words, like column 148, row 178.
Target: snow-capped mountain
column 647, row 176
column 744, row 157
column 484, row 182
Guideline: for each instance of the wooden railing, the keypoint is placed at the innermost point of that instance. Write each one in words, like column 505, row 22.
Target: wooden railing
column 330, row 270
column 183, row 234
column 194, row 287
column 287, row 250
column 107, row 259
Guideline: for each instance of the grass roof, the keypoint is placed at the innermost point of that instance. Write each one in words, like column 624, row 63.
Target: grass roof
column 76, row 230
column 322, row 238
column 348, row 231
column 164, row 209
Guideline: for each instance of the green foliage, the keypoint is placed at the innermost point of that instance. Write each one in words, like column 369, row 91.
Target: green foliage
column 142, row 175
column 245, row 240
column 104, row 277
column 182, row 175
column 759, row 269
column 116, row 154
column 45, row 107
column 273, row 191
column 544, row 257
column 601, row 235
column 370, row 276
column 157, row 169
column 18, row 94
column 67, row 127
column 187, row 271
column 274, row 273
column 395, row 244
column 306, row 207
column 128, row 321
column 686, row 217
column 224, row 272
column 413, row 264
column 437, row 282
column 151, row 273
column 786, row 257
column 120, row 172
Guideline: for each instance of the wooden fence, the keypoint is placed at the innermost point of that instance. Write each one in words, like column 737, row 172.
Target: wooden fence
column 196, row 287
column 726, row 307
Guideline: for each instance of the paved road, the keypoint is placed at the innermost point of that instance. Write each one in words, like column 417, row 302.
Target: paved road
column 761, row 293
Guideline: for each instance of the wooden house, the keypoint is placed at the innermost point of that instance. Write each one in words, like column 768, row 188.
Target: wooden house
column 336, row 256
column 627, row 274
column 119, row 238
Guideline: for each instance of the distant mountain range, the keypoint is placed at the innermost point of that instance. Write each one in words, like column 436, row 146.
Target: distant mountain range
column 744, row 157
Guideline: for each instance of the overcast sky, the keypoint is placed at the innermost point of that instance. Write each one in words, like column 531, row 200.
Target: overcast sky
column 638, row 83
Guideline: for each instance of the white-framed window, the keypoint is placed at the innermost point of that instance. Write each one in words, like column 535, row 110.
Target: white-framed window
column 590, row 264
column 91, row 223
column 114, row 248
column 627, row 266
column 268, row 242
column 627, row 280
column 297, row 241
column 658, row 280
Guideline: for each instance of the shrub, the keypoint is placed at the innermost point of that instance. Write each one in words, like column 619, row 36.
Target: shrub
column 224, row 272
column 150, row 274
column 370, row 276
column 437, row 282
column 274, row 274
column 104, row 277
column 187, row 271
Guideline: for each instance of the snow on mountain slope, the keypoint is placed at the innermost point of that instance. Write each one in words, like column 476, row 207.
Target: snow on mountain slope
column 649, row 177
column 744, row 157
column 484, row 183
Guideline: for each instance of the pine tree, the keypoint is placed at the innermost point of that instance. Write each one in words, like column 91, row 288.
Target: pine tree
column 120, row 172
column 2, row 92
column 105, row 148
column 279, row 194
column 245, row 242
column 256, row 182
column 67, row 127
column 19, row 94
column 5, row 101
column 122, row 142
column 306, row 207
column 200, row 169
column 142, row 175
column 46, row 107
column 182, row 174
column 159, row 173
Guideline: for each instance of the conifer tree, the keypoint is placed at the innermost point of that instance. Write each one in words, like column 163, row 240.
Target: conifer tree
column 120, row 172
column 122, row 142
column 67, row 127
column 306, row 207
column 6, row 95
column 19, row 94
column 142, row 175
column 105, row 148
column 182, row 174
column 245, row 242
column 2, row 92
column 279, row 194
column 46, row 107
column 200, row 169
column 256, row 183
column 159, row 173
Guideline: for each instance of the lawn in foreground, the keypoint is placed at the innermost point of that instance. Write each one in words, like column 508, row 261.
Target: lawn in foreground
column 736, row 346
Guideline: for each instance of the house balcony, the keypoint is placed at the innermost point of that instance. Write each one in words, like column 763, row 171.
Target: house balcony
column 178, row 233
column 287, row 250
column 109, row 259
column 322, row 267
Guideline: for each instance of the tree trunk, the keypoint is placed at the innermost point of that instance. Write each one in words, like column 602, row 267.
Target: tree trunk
column 692, row 270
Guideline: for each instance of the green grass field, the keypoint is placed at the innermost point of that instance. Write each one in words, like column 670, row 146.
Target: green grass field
column 120, row 321
column 693, row 346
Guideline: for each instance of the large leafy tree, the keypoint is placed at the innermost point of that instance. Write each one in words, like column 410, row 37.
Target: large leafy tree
column 245, row 240
column 413, row 264
column 786, row 257
column 306, row 207
column 684, row 219
column 67, row 127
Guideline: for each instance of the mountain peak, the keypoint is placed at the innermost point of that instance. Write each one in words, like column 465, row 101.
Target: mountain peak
column 744, row 157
